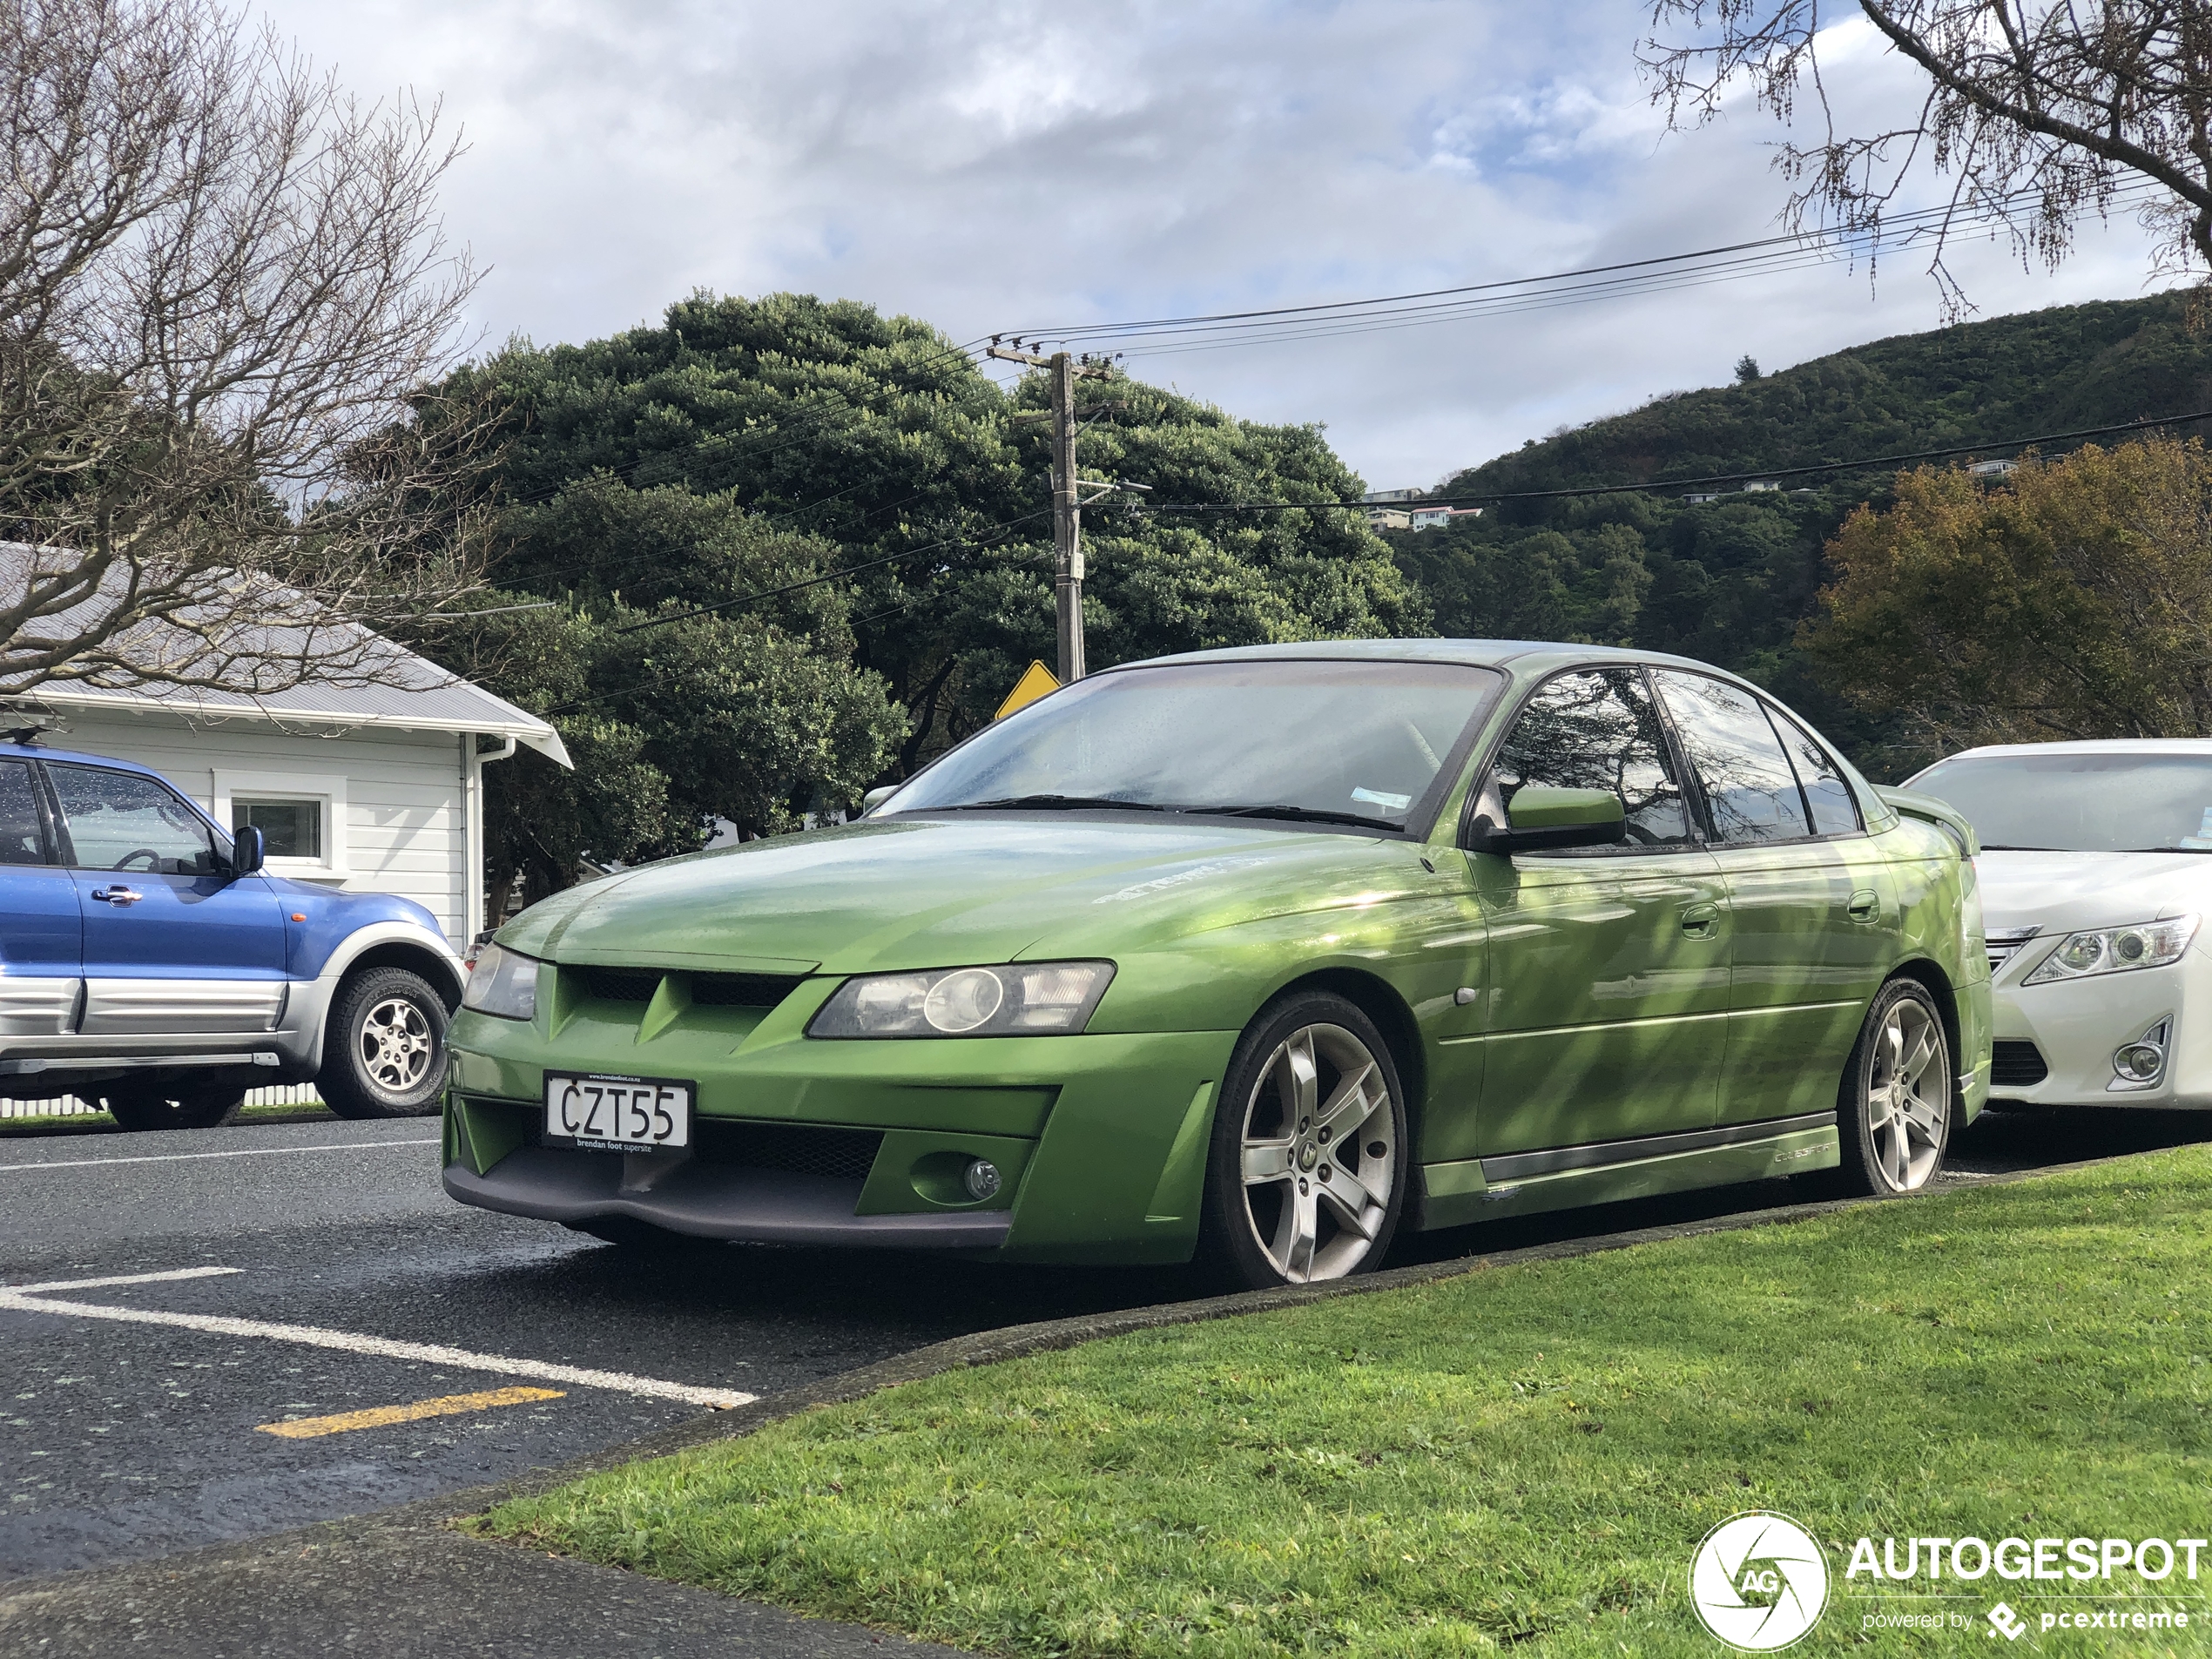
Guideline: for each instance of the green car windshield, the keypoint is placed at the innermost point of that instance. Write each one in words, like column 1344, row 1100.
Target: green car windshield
column 1356, row 742
column 2079, row 803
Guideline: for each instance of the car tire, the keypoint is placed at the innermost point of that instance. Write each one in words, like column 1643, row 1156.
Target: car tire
column 206, row 1103
column 384, row 1048
column 1894, row 1113
column 1311, row 1075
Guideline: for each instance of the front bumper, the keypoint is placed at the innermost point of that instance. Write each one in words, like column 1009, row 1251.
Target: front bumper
column 1101, row 1139
column 2068, row 1030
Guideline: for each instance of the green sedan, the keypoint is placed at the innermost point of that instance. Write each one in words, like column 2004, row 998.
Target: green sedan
column 1260, row 955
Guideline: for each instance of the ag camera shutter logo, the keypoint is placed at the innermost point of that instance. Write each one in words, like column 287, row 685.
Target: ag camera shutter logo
column 1758, row 1582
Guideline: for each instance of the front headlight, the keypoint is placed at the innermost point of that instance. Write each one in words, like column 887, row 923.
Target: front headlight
column 1016, row 999
column 2116, row 950
column 504, row 984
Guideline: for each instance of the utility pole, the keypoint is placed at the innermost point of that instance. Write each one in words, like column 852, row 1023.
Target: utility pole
column 1066, row 505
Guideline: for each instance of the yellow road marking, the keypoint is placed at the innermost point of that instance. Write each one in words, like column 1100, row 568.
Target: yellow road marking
column 445, row 1406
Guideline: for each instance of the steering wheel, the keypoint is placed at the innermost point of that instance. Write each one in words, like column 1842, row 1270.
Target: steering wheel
column 152, row 859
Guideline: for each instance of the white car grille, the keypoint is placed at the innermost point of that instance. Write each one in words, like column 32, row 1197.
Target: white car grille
column 2004, row 946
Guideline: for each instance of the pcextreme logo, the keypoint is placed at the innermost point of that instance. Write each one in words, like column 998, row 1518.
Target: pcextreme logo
column 1758, row 1582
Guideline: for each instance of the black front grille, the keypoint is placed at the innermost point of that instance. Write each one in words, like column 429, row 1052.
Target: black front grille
column 2018, row 1065
column 742, row 990
column 793, row 1149
column 620, row 984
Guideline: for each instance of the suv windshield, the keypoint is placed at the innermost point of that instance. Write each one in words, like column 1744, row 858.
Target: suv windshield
column 1357, row 743
column 2079, row 803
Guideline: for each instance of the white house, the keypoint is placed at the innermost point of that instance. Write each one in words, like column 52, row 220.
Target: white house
column 376, row 787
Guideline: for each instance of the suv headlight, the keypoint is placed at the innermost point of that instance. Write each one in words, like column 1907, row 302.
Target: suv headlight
column 504, row 984
column 2116, row 950
column 1016, row 1000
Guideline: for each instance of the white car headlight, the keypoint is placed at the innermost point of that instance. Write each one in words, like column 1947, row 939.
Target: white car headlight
column 504, row 984
column 1016, row 1000
column 2116, row 950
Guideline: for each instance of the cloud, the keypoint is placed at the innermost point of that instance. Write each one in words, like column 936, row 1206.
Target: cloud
column 989, row 165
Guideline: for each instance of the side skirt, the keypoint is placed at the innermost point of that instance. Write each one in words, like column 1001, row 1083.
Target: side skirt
column 1455, row 1194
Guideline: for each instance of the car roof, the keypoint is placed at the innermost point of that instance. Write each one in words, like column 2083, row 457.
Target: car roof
column 40, row 751
column 1530, row 655
column 2091, row 746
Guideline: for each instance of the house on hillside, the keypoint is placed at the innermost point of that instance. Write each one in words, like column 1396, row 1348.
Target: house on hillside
column 374, row 786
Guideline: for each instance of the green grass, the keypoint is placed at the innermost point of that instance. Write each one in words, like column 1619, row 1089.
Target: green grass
column 1525, row 1456
column 100, row 1122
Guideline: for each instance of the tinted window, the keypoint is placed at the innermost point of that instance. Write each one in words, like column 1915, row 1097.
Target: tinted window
column 1834, row 811
column 1361, row 739
column 1749, row 789
column 119, row 820
column 1597, row 730
column 21, row 841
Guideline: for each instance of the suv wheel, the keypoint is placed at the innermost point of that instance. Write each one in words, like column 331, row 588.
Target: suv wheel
column 168, row 1103
column 384, row 1049
column 1306, row 1178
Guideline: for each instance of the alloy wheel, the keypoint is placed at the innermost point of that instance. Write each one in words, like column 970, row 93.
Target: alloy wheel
column 1908, row 1096
column 1319, row 1144
column 396, row 1045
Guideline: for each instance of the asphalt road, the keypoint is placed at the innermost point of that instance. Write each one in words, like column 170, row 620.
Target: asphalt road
column 127, row 1434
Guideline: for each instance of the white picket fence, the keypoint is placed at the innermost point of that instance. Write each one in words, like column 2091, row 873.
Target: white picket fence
column 69, row 1105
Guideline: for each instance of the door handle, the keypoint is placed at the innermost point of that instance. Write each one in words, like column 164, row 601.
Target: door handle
column 1700, row 922
column 117, row 895
column 1866, row 905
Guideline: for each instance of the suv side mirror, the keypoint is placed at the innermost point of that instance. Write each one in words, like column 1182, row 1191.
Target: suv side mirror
column 876, row 797
column 1543, row 819
column 248, row 849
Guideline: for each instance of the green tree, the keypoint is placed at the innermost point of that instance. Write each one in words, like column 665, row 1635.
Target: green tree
column 2075, row 600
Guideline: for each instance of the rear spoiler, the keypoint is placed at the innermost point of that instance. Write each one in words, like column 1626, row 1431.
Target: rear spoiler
column 1929, row 810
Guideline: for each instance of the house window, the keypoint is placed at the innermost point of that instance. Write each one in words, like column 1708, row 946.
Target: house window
column 292, row 829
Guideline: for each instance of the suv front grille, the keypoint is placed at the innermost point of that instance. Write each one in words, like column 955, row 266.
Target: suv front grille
column 2018, row 1065
column 793, row 1149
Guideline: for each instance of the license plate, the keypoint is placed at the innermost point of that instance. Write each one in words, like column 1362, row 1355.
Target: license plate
column 613, row 1114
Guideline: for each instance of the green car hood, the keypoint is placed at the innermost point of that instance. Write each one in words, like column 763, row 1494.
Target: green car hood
column 936, row 893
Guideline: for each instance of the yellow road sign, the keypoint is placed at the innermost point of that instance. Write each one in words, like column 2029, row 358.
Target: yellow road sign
column 1036, row 680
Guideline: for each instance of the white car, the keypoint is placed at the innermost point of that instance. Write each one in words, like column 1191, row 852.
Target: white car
column 2096, row 875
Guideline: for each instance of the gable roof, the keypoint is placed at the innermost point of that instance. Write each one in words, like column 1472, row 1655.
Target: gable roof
column 408, row 692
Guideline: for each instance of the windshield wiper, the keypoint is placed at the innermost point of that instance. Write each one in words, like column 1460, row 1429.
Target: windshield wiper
column 2000, row 847
column 1299, row 814
column 1054, row 803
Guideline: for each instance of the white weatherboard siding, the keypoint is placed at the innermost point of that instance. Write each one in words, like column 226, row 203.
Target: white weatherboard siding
column 404, row 797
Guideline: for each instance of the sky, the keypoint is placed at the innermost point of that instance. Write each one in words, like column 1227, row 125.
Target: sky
column 994, row 167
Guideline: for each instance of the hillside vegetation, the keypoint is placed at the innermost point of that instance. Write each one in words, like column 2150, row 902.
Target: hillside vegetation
column 1731, row 580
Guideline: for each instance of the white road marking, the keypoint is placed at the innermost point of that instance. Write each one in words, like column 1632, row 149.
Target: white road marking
column 242, row 1152
column 172, row 1275
column 34, row 1299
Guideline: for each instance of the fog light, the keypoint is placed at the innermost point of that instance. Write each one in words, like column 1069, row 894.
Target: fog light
column 2139, row 1063
column 981, row 1179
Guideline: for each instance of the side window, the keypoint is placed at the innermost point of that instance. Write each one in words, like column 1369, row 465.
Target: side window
column 22, row 840
column 1834, row 811
column 1749, row 789
column 119, row 820
column 1596, row 729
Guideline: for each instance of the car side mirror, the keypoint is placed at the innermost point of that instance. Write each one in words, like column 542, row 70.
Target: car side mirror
column 249, row 850
column 1543, row 819
column 876, row 797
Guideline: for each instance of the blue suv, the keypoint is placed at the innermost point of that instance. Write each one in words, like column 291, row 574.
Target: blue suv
column 147, row 960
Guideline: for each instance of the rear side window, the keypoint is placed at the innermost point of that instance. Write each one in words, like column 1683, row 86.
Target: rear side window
column 1598, row 728
column 1827, row 796
column 1749, row 788
column 23, row 840
column 122, row 820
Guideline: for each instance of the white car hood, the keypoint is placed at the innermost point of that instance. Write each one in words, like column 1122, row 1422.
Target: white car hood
column 2067, row 891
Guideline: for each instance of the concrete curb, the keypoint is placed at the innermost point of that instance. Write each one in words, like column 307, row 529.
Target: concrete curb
column 422, row 1541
